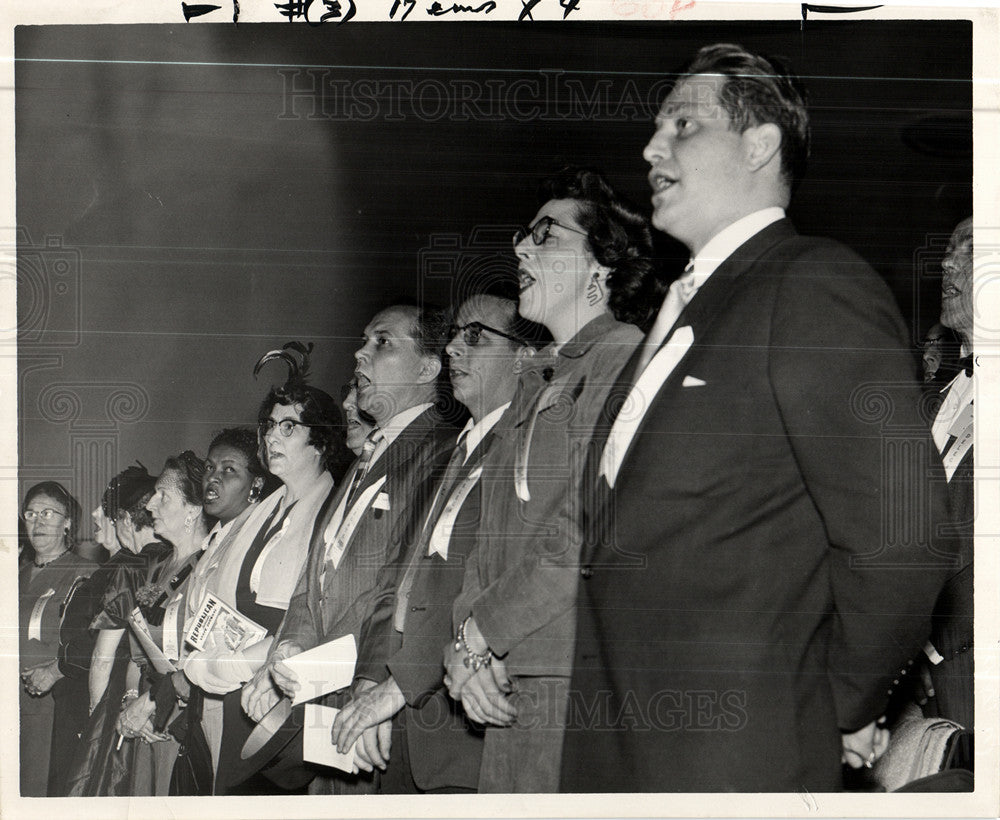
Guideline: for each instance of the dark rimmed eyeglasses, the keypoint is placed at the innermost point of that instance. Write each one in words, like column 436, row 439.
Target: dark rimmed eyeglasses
column 45, row 515
column 285, row 426
column 473, row 331
column 539, row 232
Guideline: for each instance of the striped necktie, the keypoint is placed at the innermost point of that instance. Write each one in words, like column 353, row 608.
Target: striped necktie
column 364, row 462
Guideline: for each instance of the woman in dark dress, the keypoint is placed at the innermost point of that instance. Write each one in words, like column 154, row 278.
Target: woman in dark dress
column 101, row 767
column 52, row 704
column 300, row 436
column 154, row 616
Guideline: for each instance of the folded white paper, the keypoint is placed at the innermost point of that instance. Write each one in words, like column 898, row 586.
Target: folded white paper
column 317, row 746
column 324, row 668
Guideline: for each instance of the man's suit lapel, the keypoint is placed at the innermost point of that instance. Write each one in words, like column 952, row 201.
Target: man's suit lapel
column 705, row 307
column 317, row 547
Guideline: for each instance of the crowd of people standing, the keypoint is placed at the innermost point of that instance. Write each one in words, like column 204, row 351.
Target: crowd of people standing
column 653, row 559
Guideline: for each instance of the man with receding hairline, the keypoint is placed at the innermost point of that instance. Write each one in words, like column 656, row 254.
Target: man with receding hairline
column 435, row 748
column 742, row 607
column 360, row 527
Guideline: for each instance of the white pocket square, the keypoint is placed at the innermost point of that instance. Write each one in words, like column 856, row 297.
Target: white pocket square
column 381, row 502
column 691, row 381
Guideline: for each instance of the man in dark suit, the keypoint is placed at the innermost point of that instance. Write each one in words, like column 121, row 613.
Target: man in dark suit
column 434, row 748
column 362, row 524
column 949, row 652
column 758, row 566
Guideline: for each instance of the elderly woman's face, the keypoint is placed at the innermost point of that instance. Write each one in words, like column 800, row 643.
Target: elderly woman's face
column 47, row 524
column 554, row 275
column 171, row 512
column 290, row 455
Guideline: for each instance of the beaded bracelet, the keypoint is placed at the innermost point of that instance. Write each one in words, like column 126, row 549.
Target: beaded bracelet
column 129, row 693
column 472, row 660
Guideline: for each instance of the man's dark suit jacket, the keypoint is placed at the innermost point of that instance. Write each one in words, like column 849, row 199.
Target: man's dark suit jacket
column 444, row 750
column 951, row 634
column 767, row 569
column 317, row 615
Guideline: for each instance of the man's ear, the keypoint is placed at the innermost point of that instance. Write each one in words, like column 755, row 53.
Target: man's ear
column 430, row 369
column 762, row 143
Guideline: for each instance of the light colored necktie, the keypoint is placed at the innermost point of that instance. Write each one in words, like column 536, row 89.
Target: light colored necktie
column 681, row 292
column 364, row 461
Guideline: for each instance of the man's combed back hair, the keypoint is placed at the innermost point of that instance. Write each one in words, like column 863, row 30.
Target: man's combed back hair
column 619, row 237
column 760, row 90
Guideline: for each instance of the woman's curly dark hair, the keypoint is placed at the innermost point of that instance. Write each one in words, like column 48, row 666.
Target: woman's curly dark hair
column 320, row 412
column 619, row 237
column 128, row 492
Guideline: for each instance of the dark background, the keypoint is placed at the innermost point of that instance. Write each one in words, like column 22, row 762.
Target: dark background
column 180, row 213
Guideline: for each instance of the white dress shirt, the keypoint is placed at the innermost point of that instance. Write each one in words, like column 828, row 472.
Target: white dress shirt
column 719, row 248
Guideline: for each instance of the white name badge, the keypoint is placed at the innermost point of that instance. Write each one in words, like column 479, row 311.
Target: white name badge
column 962, row 430
column 441, row 534
column 335, row 549
column 270, row 545
column 171, row 644
column 35, row 623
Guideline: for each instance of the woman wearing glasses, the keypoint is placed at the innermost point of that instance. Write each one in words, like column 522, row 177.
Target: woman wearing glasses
column 300, row 436
column 585, row 274
column 49, row 720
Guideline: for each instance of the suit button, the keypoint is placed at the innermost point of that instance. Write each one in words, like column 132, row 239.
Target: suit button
column 586, row 572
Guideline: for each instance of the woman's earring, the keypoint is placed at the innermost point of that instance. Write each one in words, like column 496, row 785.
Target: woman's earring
column 595, row 293
column 188, row 524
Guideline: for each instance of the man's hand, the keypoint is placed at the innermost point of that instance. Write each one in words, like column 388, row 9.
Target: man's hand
column 38, row 680
column 374, row 746
column 376, row 705
column 865, row 746
column 486, row 696
column 136, row 720
column 261, row 693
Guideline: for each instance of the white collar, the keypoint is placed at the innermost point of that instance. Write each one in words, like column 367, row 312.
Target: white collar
column 219, row 531
column 398, row 423
column 473, row 433
column 721, row 246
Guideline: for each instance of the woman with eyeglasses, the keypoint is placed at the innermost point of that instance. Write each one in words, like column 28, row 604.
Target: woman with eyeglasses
column 585, row 274
column 300, row 436
column 52, row 704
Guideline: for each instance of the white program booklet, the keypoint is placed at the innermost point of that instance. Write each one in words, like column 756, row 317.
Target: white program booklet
column 324, row 668
column 316, row 744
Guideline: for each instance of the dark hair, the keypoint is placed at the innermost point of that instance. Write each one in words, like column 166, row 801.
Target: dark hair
column 190, row 470
column 57, row 492
column 619, row 238
column 758, row 90
column 128, row 492
column 243, row 439
column 429, row 329
column 319, row 411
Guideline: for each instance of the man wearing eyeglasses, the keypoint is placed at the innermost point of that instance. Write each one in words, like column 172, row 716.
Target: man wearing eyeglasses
column 434, row 748
column 361, row 526
column 583, row 266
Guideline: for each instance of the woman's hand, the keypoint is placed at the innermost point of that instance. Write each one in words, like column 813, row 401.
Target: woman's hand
column 38, row 680
column 136, row 720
